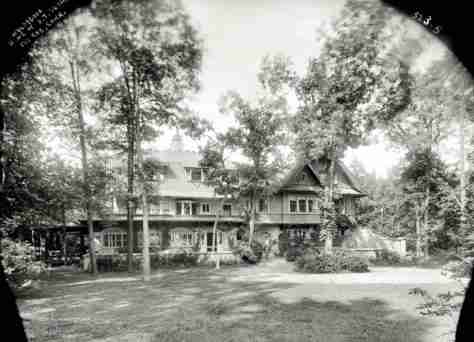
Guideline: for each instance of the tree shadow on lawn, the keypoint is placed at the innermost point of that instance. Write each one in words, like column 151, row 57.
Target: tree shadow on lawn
column 204, row 305
column 263, row 318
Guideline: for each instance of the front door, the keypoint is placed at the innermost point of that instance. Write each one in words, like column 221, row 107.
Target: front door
column 209, row 239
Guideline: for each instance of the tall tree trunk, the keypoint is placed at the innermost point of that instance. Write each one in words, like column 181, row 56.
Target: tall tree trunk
column 426, row 222
column 64, row 235
column 418, row 251
column 215, row 245
column 328, row 243
column 252, row 220
column 145, row 219
column 130, row 189
column 85, row 164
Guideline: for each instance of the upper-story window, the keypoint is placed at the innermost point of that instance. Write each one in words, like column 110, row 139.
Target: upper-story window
column 227, row 210
column 186, row 208
column 293, row 206
column 194, row 174
column 205, row 208
column 302, row 204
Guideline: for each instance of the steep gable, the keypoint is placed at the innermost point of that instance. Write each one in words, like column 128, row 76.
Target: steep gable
column 301, row 178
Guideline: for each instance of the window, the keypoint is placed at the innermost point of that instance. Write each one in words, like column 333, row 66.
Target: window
column 302, row 205
column 205, row 208
column 165, row 207
column 262, row 205
column 115, row 238
column 154, row 208
column 155, row 238
column 193, row 174
column 185, row 238
column 227, row 210
column 292, row 206
column 186, row 208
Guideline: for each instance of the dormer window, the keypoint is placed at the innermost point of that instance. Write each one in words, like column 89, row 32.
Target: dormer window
column 194, row 174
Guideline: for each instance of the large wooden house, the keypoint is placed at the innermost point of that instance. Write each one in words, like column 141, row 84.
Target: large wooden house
column 183, row 208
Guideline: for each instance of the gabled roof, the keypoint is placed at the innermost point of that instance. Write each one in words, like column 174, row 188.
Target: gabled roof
column 175, row 183
column 318, row 171
column 297, row 169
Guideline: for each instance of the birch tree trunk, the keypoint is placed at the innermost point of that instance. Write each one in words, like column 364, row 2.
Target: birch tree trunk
column 84, row 161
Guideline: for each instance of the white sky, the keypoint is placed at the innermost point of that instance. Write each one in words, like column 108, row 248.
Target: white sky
column 237, row 34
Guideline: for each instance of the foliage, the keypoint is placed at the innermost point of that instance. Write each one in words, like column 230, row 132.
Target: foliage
column 348, row 90
column 458, row 268
column 18, row 261
column 447, row 303
column 251, row 254
column 118, row 262
column 338, row 261
column 386, row 257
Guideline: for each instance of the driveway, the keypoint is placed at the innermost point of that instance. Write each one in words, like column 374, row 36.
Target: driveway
column 388, row 284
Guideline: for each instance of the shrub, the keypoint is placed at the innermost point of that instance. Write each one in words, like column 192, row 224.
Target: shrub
column 387, row 257
column 458, row 268
column 119, row 263
column 21, row 271
column 249, row 254
column 338, row 261
column 183, row 258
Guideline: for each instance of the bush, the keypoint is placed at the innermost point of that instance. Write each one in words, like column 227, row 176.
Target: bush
column 458, row 268
column 338, row 261
column 249, row 254
column 183, row 258
column 387, row 257
column 21, row 271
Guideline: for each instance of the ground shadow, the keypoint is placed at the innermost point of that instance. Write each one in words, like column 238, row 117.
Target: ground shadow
column 204, row 305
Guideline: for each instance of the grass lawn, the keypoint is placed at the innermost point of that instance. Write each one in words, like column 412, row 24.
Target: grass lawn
column 207, row 305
